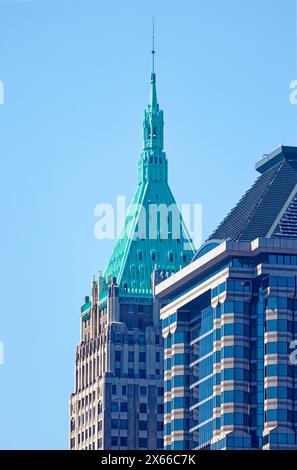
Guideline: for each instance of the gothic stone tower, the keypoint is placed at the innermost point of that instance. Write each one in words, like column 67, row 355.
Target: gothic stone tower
column 118, row 398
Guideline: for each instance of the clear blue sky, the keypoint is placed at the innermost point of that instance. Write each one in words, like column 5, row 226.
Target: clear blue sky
column 76, row 77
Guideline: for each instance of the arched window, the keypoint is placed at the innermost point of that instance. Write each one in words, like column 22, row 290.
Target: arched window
column 100, row 407
column 72, row 424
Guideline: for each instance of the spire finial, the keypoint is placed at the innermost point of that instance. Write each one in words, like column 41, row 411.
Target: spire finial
column 153, row 49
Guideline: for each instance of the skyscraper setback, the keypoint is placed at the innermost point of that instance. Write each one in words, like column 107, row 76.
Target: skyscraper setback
column 118, row 398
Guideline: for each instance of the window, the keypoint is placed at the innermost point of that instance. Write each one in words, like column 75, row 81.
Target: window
column 130, row 339
column 160, row 426
column 131, row 373
column 141, row 339
column 130, row 356
column 142, row 425
column 153, row 256
column 99, row 426
column 179, row 402
column 160, row 391
column 99, row 444
column 142, row 408
column 157, row 339
column 114, row 424
column 228, row 418
column 143, row 391
column 142, row 356
column 114, row 390
column 118, row 355
column 118, row 338
column 114, row 406
column 271, row 415
column 160, row 443
column 157, row 356
column 123, row 441
column 179, row 337
column 143, row 443
column 99, row 407
column 114, row 441
column 160, row 409
column 123, row 424
column 140, row 255
column 124, row 407
column 178, row 381
column 130, row 308
column 171, row 257
column 142, row 373
column 124, row 390
column 168, row 363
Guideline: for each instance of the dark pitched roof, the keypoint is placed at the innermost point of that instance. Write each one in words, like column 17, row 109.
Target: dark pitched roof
column 269, row 207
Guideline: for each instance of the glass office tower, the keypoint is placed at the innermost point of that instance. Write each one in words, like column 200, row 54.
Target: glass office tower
column 229, row 322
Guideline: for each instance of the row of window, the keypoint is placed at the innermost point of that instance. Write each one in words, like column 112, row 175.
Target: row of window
column 142, row 442
column 119, row 338
column 123, row 424
column 280, row 392
column 123, row 407
column 279, row 325
column 170, row 255
column 278, row 438
column 85, row 417
column 282, row 281
column 90, row 447
column 86, row 400
column 86, row 434
column 242, row 287
column 131, row 356
column 282, row 259
column 131, row 373
column 116, row 441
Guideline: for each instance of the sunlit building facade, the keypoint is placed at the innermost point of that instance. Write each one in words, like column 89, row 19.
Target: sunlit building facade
column 118, row 397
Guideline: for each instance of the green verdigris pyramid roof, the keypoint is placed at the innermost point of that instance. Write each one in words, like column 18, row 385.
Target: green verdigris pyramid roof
column 154, row 235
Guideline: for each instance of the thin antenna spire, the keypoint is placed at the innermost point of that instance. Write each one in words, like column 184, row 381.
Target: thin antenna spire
column 153, row 49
